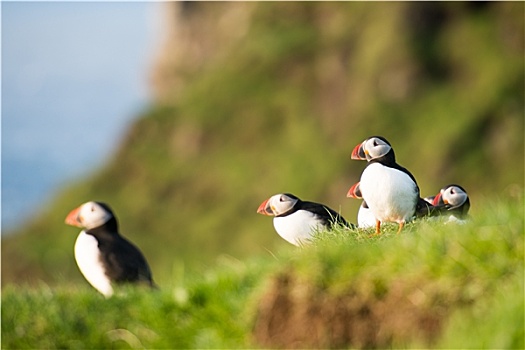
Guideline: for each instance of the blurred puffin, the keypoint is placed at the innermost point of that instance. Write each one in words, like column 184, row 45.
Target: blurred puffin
column 365, row 218
column 390, row 191
column 455, row 201
column 295, row 220
column 103, row 256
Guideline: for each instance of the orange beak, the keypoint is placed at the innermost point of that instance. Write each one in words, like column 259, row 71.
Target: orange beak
column 73, row 218
column 358, row 153
column 435, row 202
column 354, row 191
column 265, row 209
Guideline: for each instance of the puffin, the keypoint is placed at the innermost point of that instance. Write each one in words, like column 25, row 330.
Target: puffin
column 102, row 254
column 455, row 201
column 390, row 190
column 296, row 220
column 365, row 218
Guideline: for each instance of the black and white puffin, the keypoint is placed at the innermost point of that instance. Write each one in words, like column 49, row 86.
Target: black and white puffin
column 103, row 256
column 455, row 201
column 365, row 218
column 390, row 191
column 295, row 220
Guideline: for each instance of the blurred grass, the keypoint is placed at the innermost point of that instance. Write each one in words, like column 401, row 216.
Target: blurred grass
column 469, row 276
column 192, row 314
column 281, row 110
column 497, row 322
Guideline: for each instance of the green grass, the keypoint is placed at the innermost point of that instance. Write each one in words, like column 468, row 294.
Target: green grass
column 280, row 111
column 196, row 312
column 467, row 279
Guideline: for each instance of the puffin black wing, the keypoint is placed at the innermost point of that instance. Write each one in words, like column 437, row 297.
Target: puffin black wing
column 125, row 262
column 328, row 216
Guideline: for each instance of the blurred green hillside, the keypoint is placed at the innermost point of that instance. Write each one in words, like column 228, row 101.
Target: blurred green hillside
column 258, row 98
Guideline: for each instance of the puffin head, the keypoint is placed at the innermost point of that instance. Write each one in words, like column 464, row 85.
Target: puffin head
column 372, row 148
column 376, row 147
column 89, row 215
column 278, row 204
column 453, row 196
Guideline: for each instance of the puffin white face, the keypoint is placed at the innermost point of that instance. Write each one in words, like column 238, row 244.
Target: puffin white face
column 454, row 196
column 375, row 148
column 89, row 215
column 277, row 205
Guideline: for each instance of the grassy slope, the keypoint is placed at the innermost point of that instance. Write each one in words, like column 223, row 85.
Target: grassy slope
column 459, row 274
column 281, row 112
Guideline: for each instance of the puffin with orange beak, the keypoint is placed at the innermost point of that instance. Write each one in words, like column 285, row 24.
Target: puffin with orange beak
column 365, row 218
column 389, row 190
column 103, row 256
column 297, row 221
column 455, row 201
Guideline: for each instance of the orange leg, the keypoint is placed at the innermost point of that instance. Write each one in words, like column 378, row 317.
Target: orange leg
column 401, row 224
column 378, row 227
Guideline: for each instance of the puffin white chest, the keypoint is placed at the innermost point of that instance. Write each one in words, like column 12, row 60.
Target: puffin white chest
column 89, row 262
column 365, row 218
column 297, row 228
column 390, row 193
column 456, row 220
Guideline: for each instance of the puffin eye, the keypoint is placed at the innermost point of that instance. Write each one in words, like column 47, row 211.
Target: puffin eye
column 375, row 143
column 452, row 191
column 281, row 199
column 92, row 208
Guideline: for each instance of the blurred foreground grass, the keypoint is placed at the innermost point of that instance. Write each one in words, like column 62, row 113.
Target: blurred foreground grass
column 466, row 279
